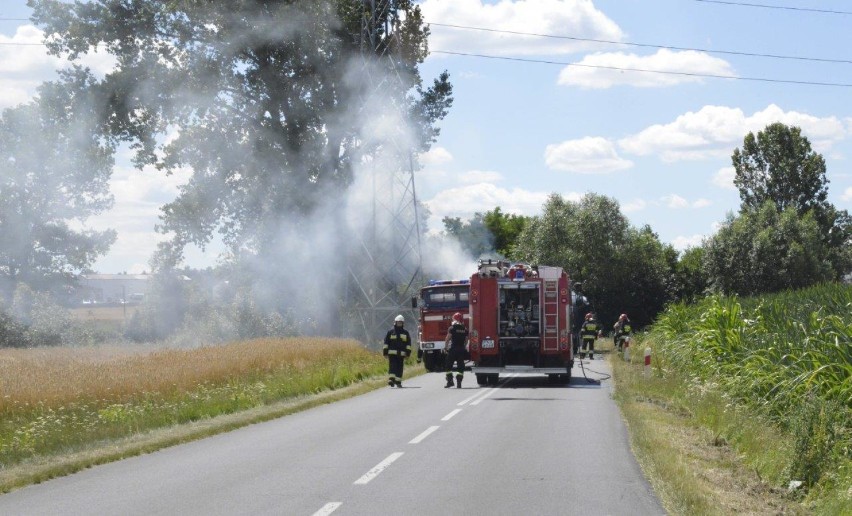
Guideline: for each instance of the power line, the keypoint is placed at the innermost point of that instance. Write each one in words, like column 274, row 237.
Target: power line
column 767, row 6
column 621, row 69
column 647, row 45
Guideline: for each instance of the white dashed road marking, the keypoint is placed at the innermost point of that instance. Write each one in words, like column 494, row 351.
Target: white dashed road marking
column 328, row 508
column 378, row 468
column 451, row 414
column 424, row 435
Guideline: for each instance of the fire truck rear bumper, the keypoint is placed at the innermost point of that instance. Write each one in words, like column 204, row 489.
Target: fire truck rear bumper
column 519, row 369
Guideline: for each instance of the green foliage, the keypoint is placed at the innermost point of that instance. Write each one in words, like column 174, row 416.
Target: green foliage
column 787, row 356
column 53, row 175
column 36, row 319
column 778, row 166
column 622, row 269
column 506, row 228
column 767, row 250
column 691, row 278
column 473, row 235
column 263, row 97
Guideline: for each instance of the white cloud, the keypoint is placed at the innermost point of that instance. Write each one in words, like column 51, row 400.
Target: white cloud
column 724, row 178
column 714, row 132
column 591, row 155
column 684, row 242
column 675, row 201
column 847, row 194
column 480, row 176
column 464, row 201
column 436, row 156
column 25, row 64
column 604, row 70
column 634, row 205
column 577, row 18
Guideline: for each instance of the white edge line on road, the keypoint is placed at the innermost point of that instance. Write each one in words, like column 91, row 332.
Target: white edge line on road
column 328, row 508
column 424, row 435
column 451, row 414
column 378, row 468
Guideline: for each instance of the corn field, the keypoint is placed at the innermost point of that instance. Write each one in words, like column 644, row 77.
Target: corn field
column 786, row 357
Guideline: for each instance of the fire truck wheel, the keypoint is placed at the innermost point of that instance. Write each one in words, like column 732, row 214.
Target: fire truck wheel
column 429, row 362
column 481, row 379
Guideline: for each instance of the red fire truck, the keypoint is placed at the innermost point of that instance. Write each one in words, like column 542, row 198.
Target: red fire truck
column 438, row 302
column 520, row 321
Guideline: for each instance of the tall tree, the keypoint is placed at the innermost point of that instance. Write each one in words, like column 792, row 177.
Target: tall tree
column 506, row 228
column 266, row 102
column 767, row 250
column 691, row 278
column 622, row 269
column 779, row 166
column 472, row 235
column 53, row 176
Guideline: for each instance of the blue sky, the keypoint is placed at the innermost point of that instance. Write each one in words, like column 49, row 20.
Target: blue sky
column 660, row 144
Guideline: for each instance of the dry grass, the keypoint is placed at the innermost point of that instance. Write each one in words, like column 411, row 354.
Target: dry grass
column 60, row 402
column 52, row 377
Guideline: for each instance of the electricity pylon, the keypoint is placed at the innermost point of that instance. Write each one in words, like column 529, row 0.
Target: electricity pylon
column 387, row 271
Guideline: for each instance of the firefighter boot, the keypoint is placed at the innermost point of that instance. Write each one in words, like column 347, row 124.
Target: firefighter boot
column 458, row 381
column 391, row 383
column 449, row 381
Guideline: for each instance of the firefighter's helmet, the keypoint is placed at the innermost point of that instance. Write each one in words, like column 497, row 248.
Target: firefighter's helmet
column 458, row 318
column 399, row 318
column 589, row 316
column 623, row 317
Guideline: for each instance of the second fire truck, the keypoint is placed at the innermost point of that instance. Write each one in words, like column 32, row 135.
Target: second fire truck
column 438, row 302
column 520, row 321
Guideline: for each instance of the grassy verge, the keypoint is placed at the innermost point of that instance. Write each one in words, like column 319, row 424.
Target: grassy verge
column 66, row 409
column 705, row 454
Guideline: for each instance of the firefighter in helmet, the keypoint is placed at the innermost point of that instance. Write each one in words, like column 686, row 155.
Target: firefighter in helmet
column 456, row 346
column 622, row 332
column 397, row 347
column 580, row 307
column 590, row 331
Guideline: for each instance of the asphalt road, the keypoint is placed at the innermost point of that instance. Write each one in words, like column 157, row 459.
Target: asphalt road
column 522, row 447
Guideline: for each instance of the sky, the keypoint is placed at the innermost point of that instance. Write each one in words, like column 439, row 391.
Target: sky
column 548, row 100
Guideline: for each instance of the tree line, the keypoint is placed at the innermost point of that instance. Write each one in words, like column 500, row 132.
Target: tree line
column 262, row 101
column 786, row 235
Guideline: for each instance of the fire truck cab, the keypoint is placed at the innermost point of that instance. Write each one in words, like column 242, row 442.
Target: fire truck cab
column 439, row 300
column 520, row 321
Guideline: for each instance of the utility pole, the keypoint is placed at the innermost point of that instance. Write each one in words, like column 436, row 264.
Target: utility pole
column 387, row 273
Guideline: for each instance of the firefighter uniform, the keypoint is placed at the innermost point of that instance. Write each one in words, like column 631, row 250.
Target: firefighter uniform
column 457, row 336
column 622, row 331
column 397, row 347
column 589, row 331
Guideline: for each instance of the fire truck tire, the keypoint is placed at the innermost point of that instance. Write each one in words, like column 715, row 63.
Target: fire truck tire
column 429, row 362
column 481, row 379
